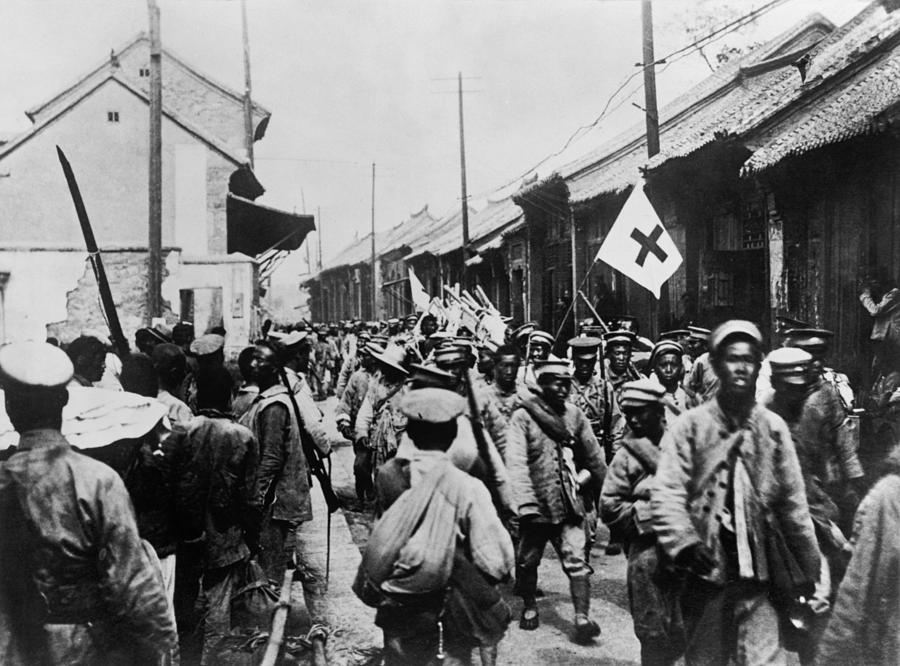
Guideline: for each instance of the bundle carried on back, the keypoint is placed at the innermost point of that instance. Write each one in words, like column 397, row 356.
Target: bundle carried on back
column 411, row 549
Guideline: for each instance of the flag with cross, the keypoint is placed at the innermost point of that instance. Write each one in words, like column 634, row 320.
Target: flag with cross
column 638, row 244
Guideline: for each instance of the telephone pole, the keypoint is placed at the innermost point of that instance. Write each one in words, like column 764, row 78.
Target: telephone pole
column 319, row 234
column 374, row 267
column 248, row 103
column 650, row 79
column 465, row 197
column 154, row 246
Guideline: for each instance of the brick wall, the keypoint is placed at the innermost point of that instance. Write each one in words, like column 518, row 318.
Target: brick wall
column 127, row 273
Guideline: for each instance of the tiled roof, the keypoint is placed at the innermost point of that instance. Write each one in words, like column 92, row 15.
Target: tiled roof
column 852, row 106
column 483, row 225
column 732, row 97
column 411, row 231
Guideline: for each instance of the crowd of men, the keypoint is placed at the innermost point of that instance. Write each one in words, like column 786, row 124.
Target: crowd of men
column 730, row 480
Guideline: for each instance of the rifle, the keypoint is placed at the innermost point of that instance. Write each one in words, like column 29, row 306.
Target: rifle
column 481, row 441
column 106, row 299
column 314, row 458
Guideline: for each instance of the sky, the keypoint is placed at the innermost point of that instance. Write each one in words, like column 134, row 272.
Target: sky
column 350, row 83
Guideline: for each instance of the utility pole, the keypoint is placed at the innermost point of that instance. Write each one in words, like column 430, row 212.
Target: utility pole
column 154, row 258
column 650, row 79
column 248, row 104
column 374, row 268
column 319, row 234
column 465, row 197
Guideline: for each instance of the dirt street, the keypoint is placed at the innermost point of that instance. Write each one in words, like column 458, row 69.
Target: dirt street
column 358, row 640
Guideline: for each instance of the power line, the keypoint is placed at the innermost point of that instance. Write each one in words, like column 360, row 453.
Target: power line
column 674, row 56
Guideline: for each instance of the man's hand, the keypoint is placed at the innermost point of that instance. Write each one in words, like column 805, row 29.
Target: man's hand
column 697, row 558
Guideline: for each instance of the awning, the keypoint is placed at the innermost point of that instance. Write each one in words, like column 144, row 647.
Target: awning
column 254, row 228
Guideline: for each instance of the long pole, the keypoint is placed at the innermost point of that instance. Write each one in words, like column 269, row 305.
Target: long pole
column 374, row 268
column 154, row 245
column 574, row 269
column 650, row 79
column 465, row 196
column 319, row 234
column 248, row 103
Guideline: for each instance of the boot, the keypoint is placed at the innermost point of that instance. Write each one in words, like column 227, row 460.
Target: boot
column 585, row 628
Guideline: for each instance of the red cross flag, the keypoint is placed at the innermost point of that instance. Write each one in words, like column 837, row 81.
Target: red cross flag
column 638, row 244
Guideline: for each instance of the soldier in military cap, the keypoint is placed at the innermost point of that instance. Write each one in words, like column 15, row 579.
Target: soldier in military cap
column 520, row 338
column 594, row 395
column 727, row 472
column 538, row 349
column 551, row 455
column 71, row 591
column 625, row 508
column 351, row 362
column 485, row 363
column 425, row 627
column 667, row 368
column 833, row 398
column 505, row 390
column 355, row 392
column 379, row 422
column 619, row 345
column 702, row 380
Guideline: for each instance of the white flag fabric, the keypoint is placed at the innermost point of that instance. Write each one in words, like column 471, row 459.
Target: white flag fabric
column 638, row 244
column 420, row 297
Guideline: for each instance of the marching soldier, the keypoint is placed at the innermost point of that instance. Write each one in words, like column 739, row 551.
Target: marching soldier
column 619, row 345
column 594, row 395
column 551, row 453
column 351, row 363
column 505, row 390
column 353, row 395
column 625, row 508
column 77, row 584
column 727, row 482
column 667, row 367
column 702, row 381
column 539, row 345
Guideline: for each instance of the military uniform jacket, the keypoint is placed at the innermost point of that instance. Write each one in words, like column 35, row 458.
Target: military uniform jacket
column 593, row 398
column 689, row 502
column 70, row 555
column 282, row 479
column 625, row 497
column 352, row 398
column 535, row 465
column 702, row 380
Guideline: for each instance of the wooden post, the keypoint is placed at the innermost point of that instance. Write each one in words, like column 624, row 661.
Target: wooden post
column 465, row 198
column 651, row 113
column 154, row 259
column 374, row 266
column 248, row 102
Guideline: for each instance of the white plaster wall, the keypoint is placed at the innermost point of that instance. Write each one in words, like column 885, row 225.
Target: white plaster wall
column 235, row 277
column 37, row 289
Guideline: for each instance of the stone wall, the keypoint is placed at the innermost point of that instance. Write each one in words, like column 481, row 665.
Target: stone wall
column 127, row 274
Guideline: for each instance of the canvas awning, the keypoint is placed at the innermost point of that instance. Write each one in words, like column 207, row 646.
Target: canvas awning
column 254, row 229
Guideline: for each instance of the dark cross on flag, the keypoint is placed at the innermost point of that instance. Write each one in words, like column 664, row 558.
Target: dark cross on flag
column 649, row 244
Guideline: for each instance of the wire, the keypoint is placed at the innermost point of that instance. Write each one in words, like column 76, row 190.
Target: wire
column 674, row 56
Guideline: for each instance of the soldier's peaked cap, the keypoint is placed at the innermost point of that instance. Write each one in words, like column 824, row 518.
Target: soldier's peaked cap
column 429, row 376
column 619, row 338
column 665, row 347
column 641, row 392
column 524, row 329
column 732, row 328
column 699, row 333
column 585, row 346
column 676, row 334
column 808, row 337
column 295, row 339
column 432, row 405
column 34, row 365
column 790, row 364
column 541, row 337
column 553, row 366
column 450, row 353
